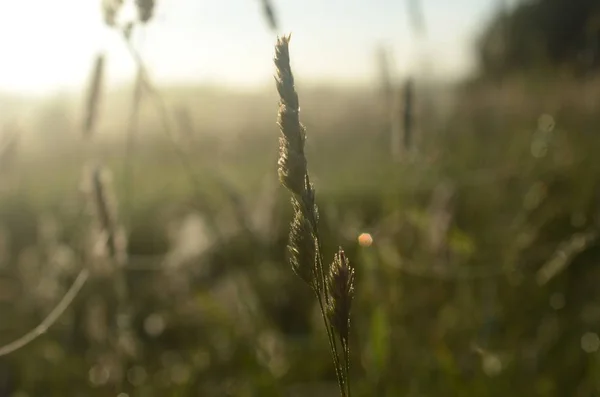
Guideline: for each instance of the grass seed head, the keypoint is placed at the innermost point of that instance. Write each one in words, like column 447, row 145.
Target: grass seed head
column 145, row 9
column 104, row 204
column 292, row 160
column 340, row 284
column 110, row 9
column 292, row 167
column 302, row 246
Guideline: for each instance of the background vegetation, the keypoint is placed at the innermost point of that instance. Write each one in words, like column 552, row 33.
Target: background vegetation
column 480, row 280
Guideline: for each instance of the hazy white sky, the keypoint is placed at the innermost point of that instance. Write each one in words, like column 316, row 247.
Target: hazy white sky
column 48, row 46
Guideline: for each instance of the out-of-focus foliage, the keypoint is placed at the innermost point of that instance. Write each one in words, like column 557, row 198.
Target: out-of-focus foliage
column 476, row 265
column 449, row 298
column 554, row 34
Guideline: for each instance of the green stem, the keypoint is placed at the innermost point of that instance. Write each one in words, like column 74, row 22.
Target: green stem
column 308, row 201
column 332, row 347
column 321, row 268
column 337, row 355
column 346, row 347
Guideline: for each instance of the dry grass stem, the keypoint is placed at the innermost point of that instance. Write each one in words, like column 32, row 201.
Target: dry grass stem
column 408, row 94
column 132, row 129
column 269, row 12
column 93, row 96
column 52, row 317
column 105, row 212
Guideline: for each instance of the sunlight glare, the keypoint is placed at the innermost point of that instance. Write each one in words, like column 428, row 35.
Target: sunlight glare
column 50, row 45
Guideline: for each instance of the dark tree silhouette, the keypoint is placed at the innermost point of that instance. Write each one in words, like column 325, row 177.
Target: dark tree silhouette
column 554, row 34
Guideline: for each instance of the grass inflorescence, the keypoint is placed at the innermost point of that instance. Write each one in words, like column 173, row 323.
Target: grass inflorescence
column 332, row 285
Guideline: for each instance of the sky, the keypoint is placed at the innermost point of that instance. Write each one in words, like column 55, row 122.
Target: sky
column 49, row 46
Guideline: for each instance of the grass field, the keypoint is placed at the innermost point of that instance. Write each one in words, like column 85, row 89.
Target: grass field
column 481, row 279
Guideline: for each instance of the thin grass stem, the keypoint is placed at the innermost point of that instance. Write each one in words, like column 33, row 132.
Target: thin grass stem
column 52, row 317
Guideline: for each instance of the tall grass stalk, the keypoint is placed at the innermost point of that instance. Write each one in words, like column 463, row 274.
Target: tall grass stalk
column 332, row 285
column 93, row 96
column 408, row 99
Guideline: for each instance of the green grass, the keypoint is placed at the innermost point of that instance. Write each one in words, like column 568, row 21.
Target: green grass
column 416, row 317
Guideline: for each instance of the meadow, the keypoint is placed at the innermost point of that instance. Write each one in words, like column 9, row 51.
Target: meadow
column 474, row 253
